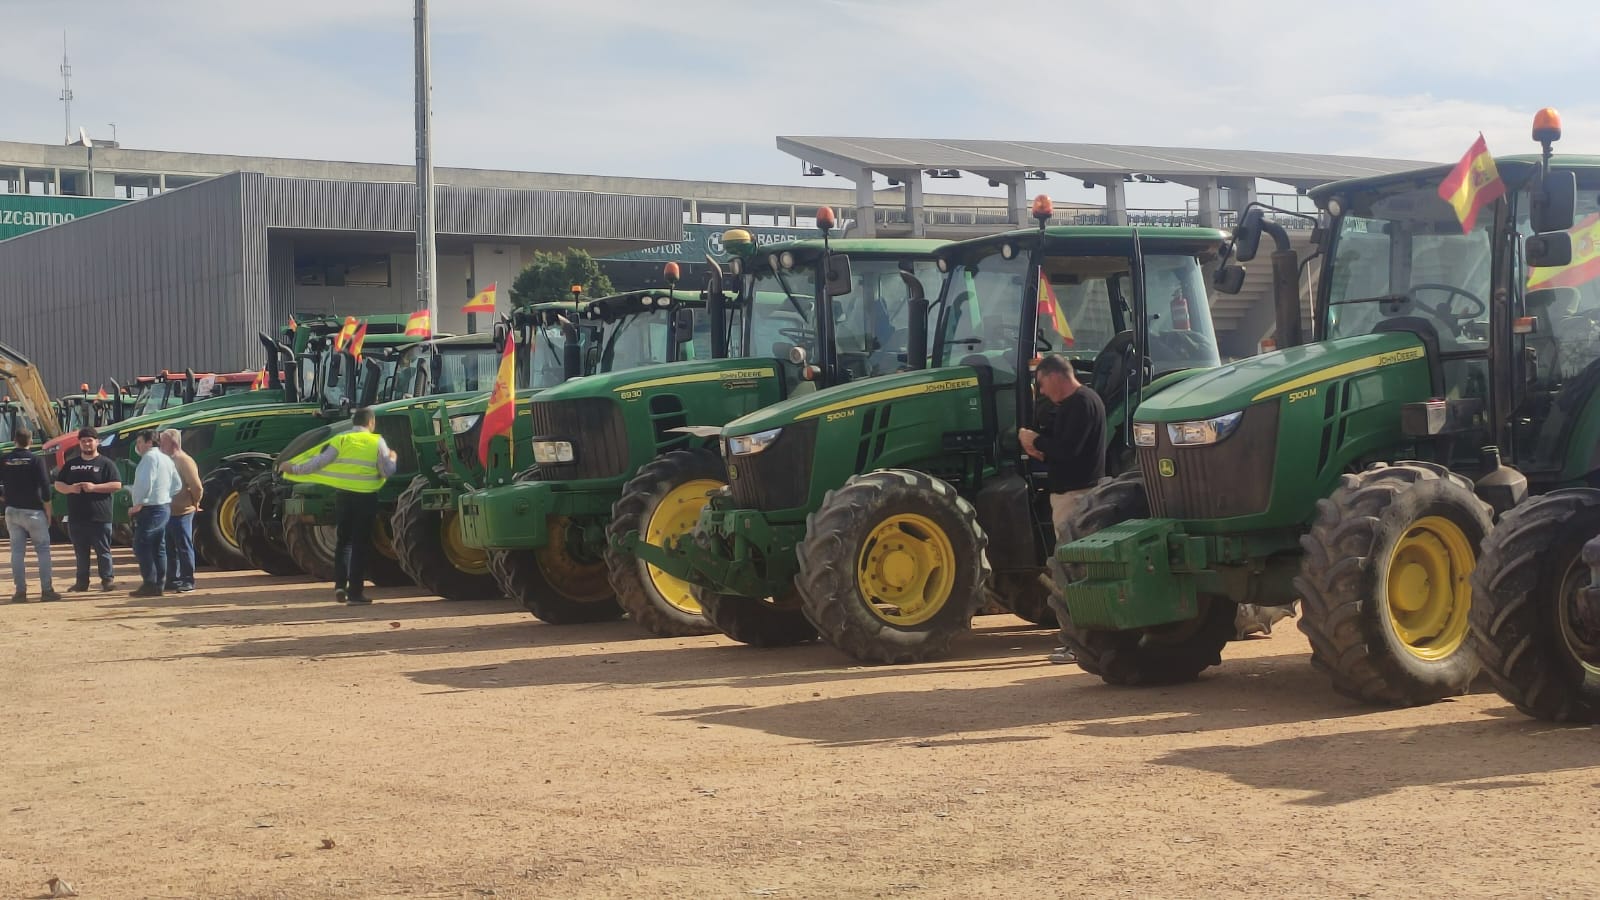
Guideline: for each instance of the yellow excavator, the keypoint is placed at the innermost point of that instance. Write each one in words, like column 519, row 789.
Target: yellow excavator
column 25, row 401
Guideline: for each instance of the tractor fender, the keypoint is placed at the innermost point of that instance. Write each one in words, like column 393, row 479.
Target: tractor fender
column 1005, row 514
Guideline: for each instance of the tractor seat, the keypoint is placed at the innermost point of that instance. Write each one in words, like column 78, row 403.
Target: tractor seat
column 1112, row 366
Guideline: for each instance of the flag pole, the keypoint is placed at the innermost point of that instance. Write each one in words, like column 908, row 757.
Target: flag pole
column 427, row 248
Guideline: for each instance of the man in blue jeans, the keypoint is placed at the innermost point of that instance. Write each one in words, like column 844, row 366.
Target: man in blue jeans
column 154, row 484
column 26, row 485
column 89, row 481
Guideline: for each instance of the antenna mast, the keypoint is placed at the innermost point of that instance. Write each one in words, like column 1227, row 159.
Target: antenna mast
column 66, row 87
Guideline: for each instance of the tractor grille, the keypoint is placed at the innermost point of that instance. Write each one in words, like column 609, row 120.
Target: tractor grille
column 595, row 427
column 1230, row 478
column 396, row 432
column 778, row 477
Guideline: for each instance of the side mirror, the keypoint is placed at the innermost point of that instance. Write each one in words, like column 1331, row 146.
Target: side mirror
column 1555, row 202
column 372, row 382
column 501, row 329
column 1228, row 279
column 1247, row 235
column 1548, row 250
column 838, row 275
column 683, row 326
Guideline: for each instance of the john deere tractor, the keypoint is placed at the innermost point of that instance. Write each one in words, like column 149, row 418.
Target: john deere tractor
column 1360, row 473
column 591, row 438
column 873, row 514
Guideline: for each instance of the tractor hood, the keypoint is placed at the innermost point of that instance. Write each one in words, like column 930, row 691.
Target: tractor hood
column 842, row 397
column 617, row 384
column 1285, row 372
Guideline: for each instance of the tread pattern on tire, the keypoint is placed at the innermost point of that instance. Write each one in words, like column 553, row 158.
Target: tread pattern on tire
column 827, row 579
column 517, row 572
column 757, row 622
column 1513, row 623
column 221, row 482
column 255, row 539
column 421, row 553
column 635, row 592
column 1345, row 642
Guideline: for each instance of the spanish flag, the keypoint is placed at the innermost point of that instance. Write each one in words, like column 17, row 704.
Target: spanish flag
column 1050, row 309
column 419, row 325
column 260, row 382
column 1473, row 184
column 102, row 395
column 1585, row 265
column 481, row 302
column 497, row 419
column 345, row 333
column 357, row 340
column 292, row 323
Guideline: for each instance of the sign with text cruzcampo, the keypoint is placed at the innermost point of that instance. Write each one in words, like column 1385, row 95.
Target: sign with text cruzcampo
column 699, row 240
column 22, row 213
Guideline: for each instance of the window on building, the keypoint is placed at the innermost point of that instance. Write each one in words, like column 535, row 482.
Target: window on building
column 342, row 270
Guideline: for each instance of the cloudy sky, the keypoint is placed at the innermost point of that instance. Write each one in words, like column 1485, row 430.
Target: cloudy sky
column 699, row 88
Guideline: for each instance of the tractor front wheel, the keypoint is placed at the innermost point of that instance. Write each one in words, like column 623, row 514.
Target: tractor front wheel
column 892, row 567
column 1536, row 633
column 661, row 503
column 1385, row 583
column 1166, row 654
column 557, row 583
column 216, row 526
column 257, row 512
column 311, row 546
column 430, row 549
column 772, row 622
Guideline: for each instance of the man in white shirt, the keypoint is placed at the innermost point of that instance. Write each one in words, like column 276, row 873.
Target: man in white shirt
column 154, row 484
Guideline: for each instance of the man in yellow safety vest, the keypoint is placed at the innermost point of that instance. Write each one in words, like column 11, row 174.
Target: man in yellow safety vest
column 355, row 464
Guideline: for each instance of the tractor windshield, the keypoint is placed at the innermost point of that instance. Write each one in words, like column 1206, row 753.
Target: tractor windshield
column 161, row 395
column 636, row 339
column 542, row 358
column 1400, row 255
column 870, row 323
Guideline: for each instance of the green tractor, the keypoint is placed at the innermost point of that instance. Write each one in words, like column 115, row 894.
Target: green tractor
column 83, row 409
column 547, row 532
column 873, row 514
column 1360, row 473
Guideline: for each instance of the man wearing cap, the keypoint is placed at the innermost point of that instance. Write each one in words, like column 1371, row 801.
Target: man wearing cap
column 355, row 464
column 89, row 481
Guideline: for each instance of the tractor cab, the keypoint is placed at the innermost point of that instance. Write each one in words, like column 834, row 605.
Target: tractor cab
column 85, row 410
column 12, row 417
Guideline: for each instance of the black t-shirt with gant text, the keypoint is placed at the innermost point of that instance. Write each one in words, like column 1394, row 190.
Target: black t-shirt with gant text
column 89, row 507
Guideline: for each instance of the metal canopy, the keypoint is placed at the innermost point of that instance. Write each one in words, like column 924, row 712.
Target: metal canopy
column 1181, row 164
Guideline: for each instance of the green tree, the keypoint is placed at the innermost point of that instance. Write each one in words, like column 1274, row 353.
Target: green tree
column 551, row 276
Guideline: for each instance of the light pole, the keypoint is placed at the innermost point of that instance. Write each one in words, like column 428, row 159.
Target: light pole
column 427, row 251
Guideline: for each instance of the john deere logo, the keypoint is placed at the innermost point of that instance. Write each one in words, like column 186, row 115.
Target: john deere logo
column 733, row 474
column 1166, row 468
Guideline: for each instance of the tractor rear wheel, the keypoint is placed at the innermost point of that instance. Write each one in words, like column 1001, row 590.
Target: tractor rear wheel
column 431, row 551
column 556, row 583
column 661, row 503
column 892, row 567
column 772, row 622
column 1538, row 640
column 216, row 526
column 1166, row 654
column 1385, row 587
column 257, row 513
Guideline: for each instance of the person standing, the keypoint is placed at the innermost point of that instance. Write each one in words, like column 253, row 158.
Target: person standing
column 355, row 464
column 1071, row 443
column 155, row 483
column 88, row 481
column 180, row 524
column 26, row 485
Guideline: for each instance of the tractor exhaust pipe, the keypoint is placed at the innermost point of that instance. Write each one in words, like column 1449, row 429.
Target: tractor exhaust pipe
column 917, row 327
column 1286, row 296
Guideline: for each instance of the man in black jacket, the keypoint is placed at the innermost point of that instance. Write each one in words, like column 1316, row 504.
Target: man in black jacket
column 26, row 484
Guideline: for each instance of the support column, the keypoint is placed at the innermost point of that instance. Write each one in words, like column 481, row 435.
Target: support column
column 1241, row 193
column 912, row 190
column 1016, row 199
column 1116, row 202
column 866, row 204
column 1210, row 203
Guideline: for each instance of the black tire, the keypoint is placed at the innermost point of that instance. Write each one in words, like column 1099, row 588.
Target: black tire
column 434, row 559
column 310, row 547
column 383, row 561
column 856, row 521
column 661, row 604
column 216, row 525
column 553, row 583
column 1529, row 573
column 1347, row 612
column 778, row 622
column 1166, row 654
column 1027, row 596
column 257, row 522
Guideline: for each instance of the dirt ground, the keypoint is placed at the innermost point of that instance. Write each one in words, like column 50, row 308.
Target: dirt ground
column 211, row 744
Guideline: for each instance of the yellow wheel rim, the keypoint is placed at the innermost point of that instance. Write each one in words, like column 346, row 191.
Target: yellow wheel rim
column 1428, row 592
column 1582, row 644
column 465, row 559
column 228, row 519
column 383, row 537
column 906, row 569
column 571, row 575
column 675, row 516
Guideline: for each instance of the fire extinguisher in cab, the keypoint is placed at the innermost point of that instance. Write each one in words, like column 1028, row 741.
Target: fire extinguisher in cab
column 1180, row 311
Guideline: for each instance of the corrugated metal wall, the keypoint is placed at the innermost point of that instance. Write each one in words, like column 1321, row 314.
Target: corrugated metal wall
column 189, row 277
column 149, row 285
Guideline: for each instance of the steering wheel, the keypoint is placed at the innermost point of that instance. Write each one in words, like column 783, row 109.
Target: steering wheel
column 1443, row 312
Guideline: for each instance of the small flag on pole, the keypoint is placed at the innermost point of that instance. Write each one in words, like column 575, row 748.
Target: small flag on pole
column 102, row 395
column 358, row 340
column 1473, row 184
column 260, row 381
column 292, row 323
column 419, row 325
column 1050, row 308
column 497, row 419
column 482, row 301
column 345, row 333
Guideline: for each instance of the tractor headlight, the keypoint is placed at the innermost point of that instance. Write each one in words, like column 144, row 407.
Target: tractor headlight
column 548, row 452
column 463, row 424
column 1206, row 431
column 1144, row 434
column 746, row 444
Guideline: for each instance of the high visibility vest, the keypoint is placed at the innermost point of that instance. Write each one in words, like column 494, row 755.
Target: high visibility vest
column 355, row 469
